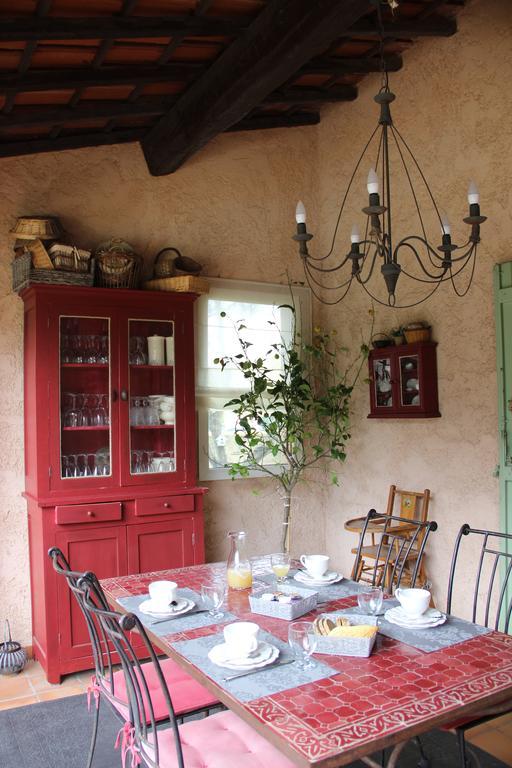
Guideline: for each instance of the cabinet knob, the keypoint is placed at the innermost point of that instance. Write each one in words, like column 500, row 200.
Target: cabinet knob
column 90, row 513
column 124, row 394
column 166, row 504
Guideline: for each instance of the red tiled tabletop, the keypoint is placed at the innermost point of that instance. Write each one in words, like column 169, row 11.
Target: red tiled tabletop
column 370, row 703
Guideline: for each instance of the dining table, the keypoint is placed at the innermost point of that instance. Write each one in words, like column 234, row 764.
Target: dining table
column 345, row 708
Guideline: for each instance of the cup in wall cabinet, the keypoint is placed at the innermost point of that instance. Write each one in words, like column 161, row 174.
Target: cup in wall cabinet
column 156, row 350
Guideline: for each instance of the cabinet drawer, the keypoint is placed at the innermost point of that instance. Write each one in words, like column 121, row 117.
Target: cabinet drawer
column 163, row 505
column 88, row 513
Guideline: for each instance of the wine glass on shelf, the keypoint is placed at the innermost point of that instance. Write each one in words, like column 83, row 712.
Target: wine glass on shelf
column 302, row 640
column 90, row 349
column 77, row 342
column 103, row 349
column 86, row 409
column 137, row 354
column 72, row 413
column 81, row 465
column 66, row 351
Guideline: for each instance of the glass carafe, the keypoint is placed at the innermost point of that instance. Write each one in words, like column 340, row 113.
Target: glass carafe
column 239, row 575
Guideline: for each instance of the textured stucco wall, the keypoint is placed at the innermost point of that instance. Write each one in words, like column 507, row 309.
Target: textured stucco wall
column 453, row 107
column 231, row 207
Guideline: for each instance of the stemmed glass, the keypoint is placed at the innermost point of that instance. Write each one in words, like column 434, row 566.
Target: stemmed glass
column 280, row 563
column 213, row 596
column 302, row 640
column 137, row 355
column 370, row 601
column 72, row 414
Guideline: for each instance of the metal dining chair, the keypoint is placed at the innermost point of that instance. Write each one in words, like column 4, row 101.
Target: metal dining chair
column 217, row 740
column 489, row 585
column 189, row 697
column 391, row 550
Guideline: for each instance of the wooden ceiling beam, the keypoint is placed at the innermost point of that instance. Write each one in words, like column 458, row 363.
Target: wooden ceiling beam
column 265, row 122
column 303, row 95
column 69, row 79
column 22, row 116
column 285, row 35
column 340, row 66
column 35, row 146
column 114, row 27
column 432, row 26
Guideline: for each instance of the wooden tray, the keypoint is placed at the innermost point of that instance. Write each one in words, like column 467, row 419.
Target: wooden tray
column 184, row 283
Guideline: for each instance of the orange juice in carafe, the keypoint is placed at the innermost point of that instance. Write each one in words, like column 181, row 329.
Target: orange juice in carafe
column 239, row 574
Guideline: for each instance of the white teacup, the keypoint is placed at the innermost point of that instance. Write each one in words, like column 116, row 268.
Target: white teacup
column 413, row 601
column 162, row 593
column 315, row 565
column 241, row 638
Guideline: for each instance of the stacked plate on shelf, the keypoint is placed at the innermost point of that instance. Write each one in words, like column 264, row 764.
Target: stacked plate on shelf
column 431, row 618
column 331, row 577
column 265, row 653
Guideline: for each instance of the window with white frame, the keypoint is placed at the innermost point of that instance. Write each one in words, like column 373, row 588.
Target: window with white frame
column 229, row 302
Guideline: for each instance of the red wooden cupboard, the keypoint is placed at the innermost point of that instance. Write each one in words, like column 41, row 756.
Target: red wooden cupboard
column 110, row 448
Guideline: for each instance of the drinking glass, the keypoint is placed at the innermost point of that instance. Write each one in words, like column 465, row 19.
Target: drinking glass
column 72, row 414
column 103, row 349
column 302, row 640
column 213, row 596
column 81, row 465
column 91, row 352
column 280, row 563
column 86, row 410
column 102, row 410
column 370, row 601
column 137, row 354
column 77, row 342
column 136, row 413
column 151, row 417
column 66, row 352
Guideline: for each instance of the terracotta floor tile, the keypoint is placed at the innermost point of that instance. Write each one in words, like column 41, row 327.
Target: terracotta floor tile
column 40, row 683
column 15, row 685
column 59, row 693
column 19, row 702
column 32, row 668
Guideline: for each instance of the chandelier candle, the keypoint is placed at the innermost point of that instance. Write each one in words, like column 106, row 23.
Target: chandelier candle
column 429, row 264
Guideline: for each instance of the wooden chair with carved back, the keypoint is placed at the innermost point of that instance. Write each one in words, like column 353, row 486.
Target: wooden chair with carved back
column 408, row 506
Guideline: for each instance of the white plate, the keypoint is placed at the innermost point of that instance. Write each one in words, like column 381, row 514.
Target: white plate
column 265, row 654
column 331, row 578
column 431, row 614
column 394, row 616
column 184, row 605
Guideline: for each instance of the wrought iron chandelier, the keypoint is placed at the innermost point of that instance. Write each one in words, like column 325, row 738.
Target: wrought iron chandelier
column 427, row 263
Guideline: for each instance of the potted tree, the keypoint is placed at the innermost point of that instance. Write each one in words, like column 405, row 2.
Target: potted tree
column 295, row 410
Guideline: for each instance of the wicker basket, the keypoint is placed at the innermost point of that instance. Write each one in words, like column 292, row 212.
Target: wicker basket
column 69, row 258
column 23, row 275
column 417, row 334
column 182, row 284
column 36, row 228
column 118, row 270
column 347, row 646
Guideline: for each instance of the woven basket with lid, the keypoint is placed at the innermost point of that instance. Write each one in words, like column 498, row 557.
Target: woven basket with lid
column 117, row 265
column 37, row 228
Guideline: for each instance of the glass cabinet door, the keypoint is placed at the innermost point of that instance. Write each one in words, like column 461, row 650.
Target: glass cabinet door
column 152, row 407
column 84, row 382
column 383, row 388
column 409, row 381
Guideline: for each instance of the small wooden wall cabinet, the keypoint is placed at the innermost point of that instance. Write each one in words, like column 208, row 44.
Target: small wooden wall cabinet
column 403, row 382
column 110, row 448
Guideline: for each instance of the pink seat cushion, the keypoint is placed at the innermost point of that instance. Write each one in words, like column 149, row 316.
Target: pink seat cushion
column 187, row 695
column 219, row 741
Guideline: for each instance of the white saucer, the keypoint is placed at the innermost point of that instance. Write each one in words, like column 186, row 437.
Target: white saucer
column 431, row 618
column 184, row 605
column 265, row 654
column 331, row 577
